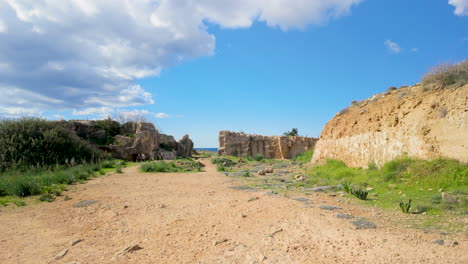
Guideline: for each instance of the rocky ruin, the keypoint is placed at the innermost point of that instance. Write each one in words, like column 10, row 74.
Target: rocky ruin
column 410, row 120
column 132, row 140
column 270, row 147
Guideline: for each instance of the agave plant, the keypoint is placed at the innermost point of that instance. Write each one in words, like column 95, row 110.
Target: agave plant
column 405, row 207
column 360, row 193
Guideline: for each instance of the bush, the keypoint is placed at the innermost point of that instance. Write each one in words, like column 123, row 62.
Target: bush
column 305, row 157
column 172, row 166
column 447, row 75
column 293, row 133
column 35, row 142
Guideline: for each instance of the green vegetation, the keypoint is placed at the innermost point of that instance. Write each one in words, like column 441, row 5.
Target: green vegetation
column 361, row 194
column 305, row 157
column 47, row 182
column 257, row 157
column 35, row 142
column 447, row 75
column 111, row 127
column 405, row 207
column 293, row 133
column 172, row 166
column 422, row 181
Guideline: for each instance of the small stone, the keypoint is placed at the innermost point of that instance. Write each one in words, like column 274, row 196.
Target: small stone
column 430, row 189
column 243, row 216
column 441, row 190
column 363, row 224
column 344, row 216
column 76, row 241
column 162, row 206
column 269, row 170
column 323, row 188
column 329, row 207
column 299, row 177
column 261, row 172
column 125, row 206
column 451, row 243
column 369, row 189
column 61, row 254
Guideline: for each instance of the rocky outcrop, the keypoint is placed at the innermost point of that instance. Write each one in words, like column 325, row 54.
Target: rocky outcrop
column 421, row 124
column 132, row 140
column 270, row 147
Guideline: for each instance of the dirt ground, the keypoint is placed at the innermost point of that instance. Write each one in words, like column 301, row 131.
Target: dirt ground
column 197, row 218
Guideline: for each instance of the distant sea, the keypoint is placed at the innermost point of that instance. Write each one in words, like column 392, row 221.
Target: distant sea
column 208, row 149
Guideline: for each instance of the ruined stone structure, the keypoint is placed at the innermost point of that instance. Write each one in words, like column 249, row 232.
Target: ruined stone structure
column 270, row 147
column 422, row 124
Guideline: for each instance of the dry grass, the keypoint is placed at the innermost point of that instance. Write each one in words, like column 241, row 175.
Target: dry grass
column 447, row 75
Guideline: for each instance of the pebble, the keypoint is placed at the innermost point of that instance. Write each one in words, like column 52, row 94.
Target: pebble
column 363, row 224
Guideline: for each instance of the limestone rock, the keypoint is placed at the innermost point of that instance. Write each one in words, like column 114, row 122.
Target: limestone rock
column 405, row 121
column 185, row 147
column 270, row 147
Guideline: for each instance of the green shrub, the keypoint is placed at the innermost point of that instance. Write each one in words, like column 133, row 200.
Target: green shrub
column 35, row 142
column 223, row 161
column 220, row 168
column 172, row 166
column 293, row 133
column 447, row 75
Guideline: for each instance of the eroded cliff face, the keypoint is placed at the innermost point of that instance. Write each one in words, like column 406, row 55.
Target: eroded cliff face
column 270, row 147
column 422, row 124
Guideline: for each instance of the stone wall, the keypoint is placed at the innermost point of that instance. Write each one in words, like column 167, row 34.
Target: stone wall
column 270, row 147
column 411, row 121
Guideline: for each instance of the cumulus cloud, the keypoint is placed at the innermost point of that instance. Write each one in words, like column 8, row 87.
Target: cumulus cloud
column 461, row 7
column 86, row 54
column 393, row 47
column 161, row 115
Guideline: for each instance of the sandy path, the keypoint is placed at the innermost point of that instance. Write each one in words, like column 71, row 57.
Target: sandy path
column 196, row 218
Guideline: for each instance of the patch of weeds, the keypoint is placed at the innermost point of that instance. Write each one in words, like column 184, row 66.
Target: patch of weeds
column 247, row 174
column 405, row 207
column 305, row 157
column 361, row 194
column 67, row 198
column 220, row 168
column 257, row 157
column 19, row 203
column 172, row 166
column 346, row 187
column 47, row 197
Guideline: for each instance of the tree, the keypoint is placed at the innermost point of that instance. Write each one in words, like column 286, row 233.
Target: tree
column 292, row 133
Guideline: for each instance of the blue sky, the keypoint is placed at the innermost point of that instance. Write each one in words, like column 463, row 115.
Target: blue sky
column 238, row 69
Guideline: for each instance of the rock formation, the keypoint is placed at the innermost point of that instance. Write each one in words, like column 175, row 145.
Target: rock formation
column 270, row 147
column 132, row 140
column 422, row 124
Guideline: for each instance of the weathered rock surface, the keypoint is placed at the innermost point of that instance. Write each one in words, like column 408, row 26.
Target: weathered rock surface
column 132, row 140
column 422, row 124
column 270, row 147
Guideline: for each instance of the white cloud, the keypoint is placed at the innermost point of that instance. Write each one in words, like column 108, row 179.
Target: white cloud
column 89, row 54
column 461, row 7
column 393, row 47
column 414, row 50
column 94, row 111
column 162, row 115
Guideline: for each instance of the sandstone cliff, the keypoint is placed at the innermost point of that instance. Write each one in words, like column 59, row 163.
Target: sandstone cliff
column 270, row 147
column 422, row 124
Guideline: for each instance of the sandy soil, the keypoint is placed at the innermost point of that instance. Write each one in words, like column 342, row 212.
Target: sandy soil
column 196, row 218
